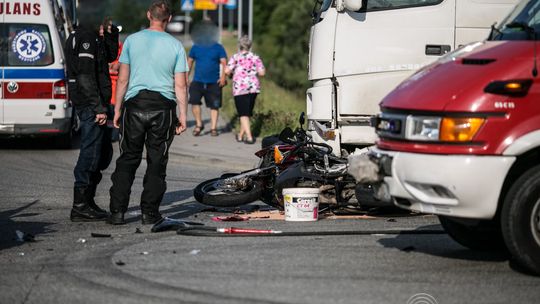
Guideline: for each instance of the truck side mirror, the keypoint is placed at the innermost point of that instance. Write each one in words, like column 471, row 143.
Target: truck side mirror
column 352, row 5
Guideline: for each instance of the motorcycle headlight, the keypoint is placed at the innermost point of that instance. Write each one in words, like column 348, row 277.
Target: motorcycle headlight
column 278, row 156
column 422, row 128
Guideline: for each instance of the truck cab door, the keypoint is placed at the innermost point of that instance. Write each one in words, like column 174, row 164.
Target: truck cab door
column 383, row 43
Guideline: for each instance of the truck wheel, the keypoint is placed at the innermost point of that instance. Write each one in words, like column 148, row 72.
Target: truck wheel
column 474, row 234
column 520, row 220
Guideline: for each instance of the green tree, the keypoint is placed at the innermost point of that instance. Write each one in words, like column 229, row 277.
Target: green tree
column 130, row 14
column 283, row 40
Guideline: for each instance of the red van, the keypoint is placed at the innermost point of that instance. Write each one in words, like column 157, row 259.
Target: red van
column 461, row 139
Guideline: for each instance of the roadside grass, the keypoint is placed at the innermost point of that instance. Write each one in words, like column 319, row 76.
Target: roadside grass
column 275, row 107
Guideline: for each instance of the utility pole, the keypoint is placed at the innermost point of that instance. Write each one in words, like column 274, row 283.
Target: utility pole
column 231, row 20
column 220, row 20
column 240, row 18
column 250, row 30
column 186, row 26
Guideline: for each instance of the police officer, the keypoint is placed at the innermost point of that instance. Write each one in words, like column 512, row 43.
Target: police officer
column 87, row 56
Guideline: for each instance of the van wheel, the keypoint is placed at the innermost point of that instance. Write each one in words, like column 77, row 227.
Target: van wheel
column 474, row 234
column 520, row 220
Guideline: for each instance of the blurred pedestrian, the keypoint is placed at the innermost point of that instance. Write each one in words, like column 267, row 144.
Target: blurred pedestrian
column 114, row 68
column 210, row 59
column 106, row 27
column 152, row 81
column 244, row 67
column 87, row 56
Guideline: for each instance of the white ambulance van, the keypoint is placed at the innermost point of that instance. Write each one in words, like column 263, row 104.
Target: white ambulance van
column 33, row 95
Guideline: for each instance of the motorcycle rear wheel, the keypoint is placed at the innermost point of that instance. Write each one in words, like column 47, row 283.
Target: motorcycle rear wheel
column 206, row 193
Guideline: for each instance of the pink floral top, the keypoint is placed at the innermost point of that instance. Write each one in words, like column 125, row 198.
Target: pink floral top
column 245, row 66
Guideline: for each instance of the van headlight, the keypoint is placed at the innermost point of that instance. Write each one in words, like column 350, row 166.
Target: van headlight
column 446, row 129
column 422, row 128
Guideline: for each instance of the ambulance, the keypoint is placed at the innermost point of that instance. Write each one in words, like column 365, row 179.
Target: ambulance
column 33, row 95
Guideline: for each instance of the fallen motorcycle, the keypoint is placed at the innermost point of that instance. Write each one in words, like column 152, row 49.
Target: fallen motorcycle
column 293, row 160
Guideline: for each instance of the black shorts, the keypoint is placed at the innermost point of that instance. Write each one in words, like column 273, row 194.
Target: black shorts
column 210, row 91
column 245, row 104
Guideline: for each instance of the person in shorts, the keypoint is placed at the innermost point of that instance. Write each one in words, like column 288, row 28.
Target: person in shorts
column 210, row 60
column 244, row 67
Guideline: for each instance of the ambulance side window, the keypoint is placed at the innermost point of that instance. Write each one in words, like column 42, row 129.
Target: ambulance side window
column 28, row 45
column 3, row 45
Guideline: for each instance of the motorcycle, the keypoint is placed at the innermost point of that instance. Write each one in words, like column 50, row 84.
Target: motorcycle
column 291, row 160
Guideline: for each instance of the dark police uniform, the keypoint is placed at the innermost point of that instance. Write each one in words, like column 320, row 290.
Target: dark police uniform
column 87, row 57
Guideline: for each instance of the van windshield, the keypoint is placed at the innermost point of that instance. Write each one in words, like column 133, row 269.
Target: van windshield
column 26, row 45
column 523, row 23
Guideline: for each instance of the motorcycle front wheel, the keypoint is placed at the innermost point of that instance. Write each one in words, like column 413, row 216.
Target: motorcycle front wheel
column 208, row 194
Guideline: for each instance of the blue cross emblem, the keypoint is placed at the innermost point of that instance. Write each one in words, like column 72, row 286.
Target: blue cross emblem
column 29, row 45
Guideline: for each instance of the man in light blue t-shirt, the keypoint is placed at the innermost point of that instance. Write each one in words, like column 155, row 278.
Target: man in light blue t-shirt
column 151, row 86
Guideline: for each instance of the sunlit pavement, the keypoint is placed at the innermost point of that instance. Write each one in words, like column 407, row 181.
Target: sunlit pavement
column 65, row 264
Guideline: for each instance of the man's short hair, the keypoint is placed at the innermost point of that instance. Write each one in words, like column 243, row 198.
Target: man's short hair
column 160, row 10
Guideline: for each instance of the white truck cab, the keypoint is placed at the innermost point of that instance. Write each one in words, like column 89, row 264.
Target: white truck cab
column 362, row 49
column 33, row 97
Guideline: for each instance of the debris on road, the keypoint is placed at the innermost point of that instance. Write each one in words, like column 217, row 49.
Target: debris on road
column 100, row 235
column 81, row 240
column 120, row 263
column 345, row 217
column 194, row 251
column 21, row 253
column 144, row 253
column 138, row 230
column 24, row 237
column 391, row 220
column 408, row 249
column 234, row 218
column 167, row 223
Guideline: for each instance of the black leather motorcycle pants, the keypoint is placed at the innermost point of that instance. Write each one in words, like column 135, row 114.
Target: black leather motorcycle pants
column 147, row 121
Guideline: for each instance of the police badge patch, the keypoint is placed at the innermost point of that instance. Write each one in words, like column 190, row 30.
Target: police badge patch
column 86, row 45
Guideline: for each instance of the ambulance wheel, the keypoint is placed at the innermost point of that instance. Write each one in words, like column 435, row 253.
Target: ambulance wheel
column 520, row 220
column 478, row 235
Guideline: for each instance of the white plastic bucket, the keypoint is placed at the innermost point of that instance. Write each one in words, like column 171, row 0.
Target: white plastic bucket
column 301, row 204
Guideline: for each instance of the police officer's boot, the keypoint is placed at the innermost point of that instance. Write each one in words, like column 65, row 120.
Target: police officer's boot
column 92, row 202
column 81, row 211
column 150, row 217
column 116, row 218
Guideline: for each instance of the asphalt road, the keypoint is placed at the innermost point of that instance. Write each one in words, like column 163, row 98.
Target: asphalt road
column 66, row 265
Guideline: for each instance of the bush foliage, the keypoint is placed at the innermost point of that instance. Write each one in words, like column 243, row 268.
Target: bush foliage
column 282, row 34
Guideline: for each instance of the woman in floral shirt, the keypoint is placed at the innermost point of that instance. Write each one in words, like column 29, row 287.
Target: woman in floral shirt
column 245, row 66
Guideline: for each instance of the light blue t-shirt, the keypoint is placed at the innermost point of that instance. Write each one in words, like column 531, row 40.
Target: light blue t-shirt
column 153, row 57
